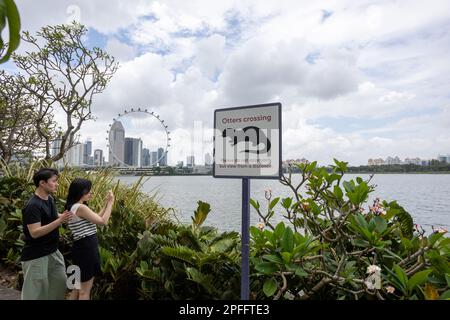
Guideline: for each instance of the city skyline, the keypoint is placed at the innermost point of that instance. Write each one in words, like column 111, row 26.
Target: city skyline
column 208, row 160
column 130, row 151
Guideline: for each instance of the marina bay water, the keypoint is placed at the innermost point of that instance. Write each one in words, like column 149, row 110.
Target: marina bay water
column 424, row 196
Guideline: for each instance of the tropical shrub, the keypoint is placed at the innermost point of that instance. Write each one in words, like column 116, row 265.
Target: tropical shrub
column 133, row 212
column 14, row 192
column 336, row 248
column 189, row 262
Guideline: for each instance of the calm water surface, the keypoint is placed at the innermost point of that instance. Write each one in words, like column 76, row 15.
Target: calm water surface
column 424, row 196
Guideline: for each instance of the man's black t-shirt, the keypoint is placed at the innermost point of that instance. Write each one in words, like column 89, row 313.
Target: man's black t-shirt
column 43, row 211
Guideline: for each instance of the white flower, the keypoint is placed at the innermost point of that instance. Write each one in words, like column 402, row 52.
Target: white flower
column 373, row 281
column 261, row 225
column 301, row 293
column 390, row 289
column 268, row 194
column 442, row 230
column 373, row 269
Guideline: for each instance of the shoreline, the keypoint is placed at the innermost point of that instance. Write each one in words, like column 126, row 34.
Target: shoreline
column 350, row 172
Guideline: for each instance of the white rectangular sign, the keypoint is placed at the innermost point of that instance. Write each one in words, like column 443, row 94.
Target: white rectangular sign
column 247, row 142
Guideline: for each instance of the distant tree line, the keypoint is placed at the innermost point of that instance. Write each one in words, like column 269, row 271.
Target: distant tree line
column 434, row 166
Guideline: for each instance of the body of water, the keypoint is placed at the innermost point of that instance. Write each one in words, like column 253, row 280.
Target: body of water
column 424, row 196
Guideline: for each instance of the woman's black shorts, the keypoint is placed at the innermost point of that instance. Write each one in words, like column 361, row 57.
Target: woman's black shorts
column 85, row 255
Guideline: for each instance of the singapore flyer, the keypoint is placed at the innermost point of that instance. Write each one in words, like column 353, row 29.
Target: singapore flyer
column 138, row 138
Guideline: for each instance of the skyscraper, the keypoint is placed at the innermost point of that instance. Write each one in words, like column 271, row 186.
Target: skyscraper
column 75, row 155
column 190, row 161
column 133, row 152
column 116, row 144
column 145, row 157
column 98, row 158
column 162, row 156
column 87, row 151
column 208, row 159
column 153, row 158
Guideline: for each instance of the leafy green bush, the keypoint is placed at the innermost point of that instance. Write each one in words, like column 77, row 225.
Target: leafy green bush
column 133, row 212
column 335, row 248
column 14, row 192
column 189, row 262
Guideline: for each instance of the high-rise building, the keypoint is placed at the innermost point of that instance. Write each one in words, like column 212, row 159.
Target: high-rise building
column 145, row 157
column 162, row 156
column 116, row 144
column 190, row 161
column 87, row 151
column 98, row 158
column 154, row 158
column 133, row 152
column 75, row 155
column 445, row 159
column 208, row 159
column 56, row 145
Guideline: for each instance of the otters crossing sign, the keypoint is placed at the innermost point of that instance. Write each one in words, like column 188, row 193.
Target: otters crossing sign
column 247, row 145
column 247, row 142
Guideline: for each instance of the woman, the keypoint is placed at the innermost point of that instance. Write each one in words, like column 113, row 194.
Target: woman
column 83, row 226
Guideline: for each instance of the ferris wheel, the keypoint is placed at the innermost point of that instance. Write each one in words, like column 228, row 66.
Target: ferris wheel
column 160, row 122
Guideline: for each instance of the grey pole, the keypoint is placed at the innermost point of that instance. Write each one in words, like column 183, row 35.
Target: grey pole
column 245, row 264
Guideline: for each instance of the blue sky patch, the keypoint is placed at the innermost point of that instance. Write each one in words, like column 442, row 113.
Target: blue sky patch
column 325, row 15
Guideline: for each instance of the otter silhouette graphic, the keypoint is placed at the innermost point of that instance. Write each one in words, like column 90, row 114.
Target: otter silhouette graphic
column 241, row 135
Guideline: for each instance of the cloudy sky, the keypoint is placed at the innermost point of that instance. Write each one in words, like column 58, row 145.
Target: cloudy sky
column 357, row 79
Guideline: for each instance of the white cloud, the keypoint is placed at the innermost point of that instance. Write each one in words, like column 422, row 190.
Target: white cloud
column 382, row 67
column 121, row 51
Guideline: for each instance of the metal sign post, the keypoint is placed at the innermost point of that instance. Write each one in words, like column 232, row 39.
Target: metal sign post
column 245, row 234
column 247, row 145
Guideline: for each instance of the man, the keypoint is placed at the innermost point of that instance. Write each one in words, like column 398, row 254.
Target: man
column 42, row 263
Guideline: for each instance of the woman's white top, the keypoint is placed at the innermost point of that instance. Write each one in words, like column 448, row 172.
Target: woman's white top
column 80, row 227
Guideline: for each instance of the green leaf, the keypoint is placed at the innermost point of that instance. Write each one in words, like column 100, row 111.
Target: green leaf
column 286, row 257
column 361, row 221
column 286, row 203
column 144, row 265
column 361, row 243
column 12, row 15
column 287, row 242
column 332, row 177
column 272, row 258
column 300, row 272
column 349, row 187
column 338, row 192
column 418, row 279
column 401, row 276
column 433, row 238
column 266, row 267
column 381, row 224
column 447, row 278
column 270, row 286
column 445, row 295
column 255, row 232
column 372, row 225
column 201, row 213
column 341, row 165
column 279, row 230
column 255, row 204
column 273, row 203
